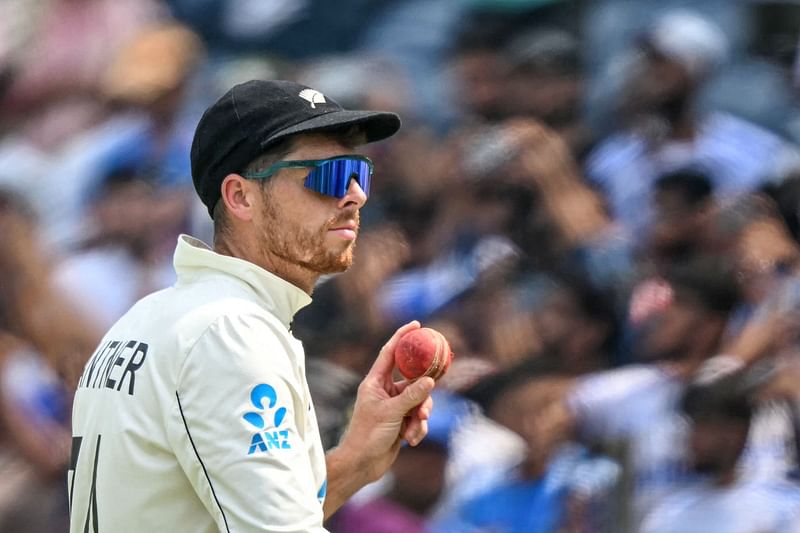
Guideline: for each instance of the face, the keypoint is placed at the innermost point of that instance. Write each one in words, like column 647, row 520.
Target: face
column 537, row 413
column 677, row 225
column 716, row 444
column 657, row 85
column 670, row 334
column 481, row 77
column 136, row 228
column 566, row 327
column 419, row 492
column 547, row 95
column 303, row 228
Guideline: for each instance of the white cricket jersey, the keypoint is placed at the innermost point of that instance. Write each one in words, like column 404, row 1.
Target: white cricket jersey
column 742, row 508
column 640, row 405
column 637, row 404
column 194, row 415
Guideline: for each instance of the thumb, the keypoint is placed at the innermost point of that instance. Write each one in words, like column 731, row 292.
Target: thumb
column 413, row 395
column 383, row 365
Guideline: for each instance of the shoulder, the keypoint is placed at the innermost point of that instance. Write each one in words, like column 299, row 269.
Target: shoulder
column 189, row 326
column 724, row 130
column 241, row 329
column 781, row 495
column 189, row 312
column 622, row 380
column 243, row 349
column 640, row 389
column 727, row 124
column 616, row 150
column 671, row 508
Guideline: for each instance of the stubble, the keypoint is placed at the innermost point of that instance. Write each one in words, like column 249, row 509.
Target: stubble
column 288, row 239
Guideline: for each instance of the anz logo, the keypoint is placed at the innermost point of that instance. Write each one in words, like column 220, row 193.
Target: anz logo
column 273, row 438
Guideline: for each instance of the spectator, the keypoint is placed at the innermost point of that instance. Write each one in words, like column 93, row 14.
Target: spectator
column 536, row 495
column 122, row 261
column 682, row 205
column 56, row 80
column 145, row 84
column 43, row 345
column 662, row 131
column 638, row 404
column 638, row 266
column 545, row 82
column 720, row 415
column 415, row 481
column 682, row 224
column 480, row 70
column 291, row 29
column 559, row 317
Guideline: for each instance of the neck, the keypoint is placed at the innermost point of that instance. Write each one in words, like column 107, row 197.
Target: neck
column 684, row 129
column 679, row 113
column 295, row 274
column 534, row 466
column 725, row 479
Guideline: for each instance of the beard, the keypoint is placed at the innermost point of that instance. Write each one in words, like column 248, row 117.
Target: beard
column 652, row 346
column 673, row 107
column 708, row 467
column 288, row 239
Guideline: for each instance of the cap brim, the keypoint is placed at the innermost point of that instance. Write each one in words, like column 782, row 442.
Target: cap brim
column 376, row 125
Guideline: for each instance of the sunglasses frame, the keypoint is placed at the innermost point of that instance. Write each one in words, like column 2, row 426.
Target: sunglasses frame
column 313, row 164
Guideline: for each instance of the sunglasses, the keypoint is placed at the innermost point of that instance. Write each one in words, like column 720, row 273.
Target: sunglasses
column 327, row 176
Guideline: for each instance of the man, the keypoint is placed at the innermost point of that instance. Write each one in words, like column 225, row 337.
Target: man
column 555, row 475
column 682, row 207
column 721, row 499
column 637, row 405
column 194, row 414
column 122, row 258
column 663, row 130
column 409, row 500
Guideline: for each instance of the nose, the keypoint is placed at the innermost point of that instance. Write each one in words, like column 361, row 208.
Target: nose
column 355, row 195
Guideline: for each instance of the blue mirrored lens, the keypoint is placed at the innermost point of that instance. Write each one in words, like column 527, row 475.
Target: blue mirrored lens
column 333, row 177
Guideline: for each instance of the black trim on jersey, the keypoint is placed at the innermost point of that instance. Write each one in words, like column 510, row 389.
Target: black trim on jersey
column 91, row 512
column 213, row 492
column 73, row 465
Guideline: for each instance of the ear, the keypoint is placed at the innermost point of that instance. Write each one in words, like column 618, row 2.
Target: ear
column 239, row 196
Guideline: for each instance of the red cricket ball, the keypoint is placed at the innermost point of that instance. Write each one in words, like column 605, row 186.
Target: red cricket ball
column 423, row 352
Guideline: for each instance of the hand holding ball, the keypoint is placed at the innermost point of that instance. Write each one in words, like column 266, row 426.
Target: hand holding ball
column 423, row 352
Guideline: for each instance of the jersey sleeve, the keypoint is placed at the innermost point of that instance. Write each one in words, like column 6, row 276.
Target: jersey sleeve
column 237, row 429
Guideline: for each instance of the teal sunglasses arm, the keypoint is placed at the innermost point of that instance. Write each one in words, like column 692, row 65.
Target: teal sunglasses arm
column 303, row 163
column 272, row 169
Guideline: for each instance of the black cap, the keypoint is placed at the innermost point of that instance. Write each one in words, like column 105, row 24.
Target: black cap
column 255, row 115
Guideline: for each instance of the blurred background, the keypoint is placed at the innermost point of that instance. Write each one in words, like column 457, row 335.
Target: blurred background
column 598, row 202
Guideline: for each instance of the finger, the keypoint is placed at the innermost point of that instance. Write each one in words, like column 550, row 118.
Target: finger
column 404, row 428
column 526, row 128
column 383, row 365
column 413, row 395
column 399, row 386
column 423, row 410
column 415, row 431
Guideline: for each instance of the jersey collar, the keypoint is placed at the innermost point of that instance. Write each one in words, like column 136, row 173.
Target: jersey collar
column 192, row 256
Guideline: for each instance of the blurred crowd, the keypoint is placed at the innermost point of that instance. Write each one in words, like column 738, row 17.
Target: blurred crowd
column 598, row 203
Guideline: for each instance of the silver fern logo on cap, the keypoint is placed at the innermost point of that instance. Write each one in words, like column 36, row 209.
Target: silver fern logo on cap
column 313, row 97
